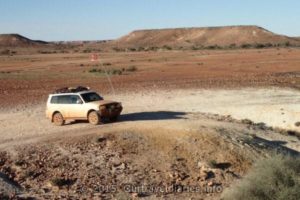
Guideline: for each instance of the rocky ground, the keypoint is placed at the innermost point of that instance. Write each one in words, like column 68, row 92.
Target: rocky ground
column 131, row 164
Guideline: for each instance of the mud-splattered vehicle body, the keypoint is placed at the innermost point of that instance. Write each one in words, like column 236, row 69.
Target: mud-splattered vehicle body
column 80, row 104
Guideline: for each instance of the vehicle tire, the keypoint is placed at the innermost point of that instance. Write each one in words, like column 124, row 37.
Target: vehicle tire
column 94, row 118
column 58, row 119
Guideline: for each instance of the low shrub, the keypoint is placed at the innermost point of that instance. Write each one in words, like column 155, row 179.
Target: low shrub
column 166, row 47
column 259, row 46
column 113, row 71
column 287, row 44
column 60, row 182
column 5, row 52
column 87, row 51
column 93, row 70
column 212, row 164
column 5, row 72
column 213, row 47
column 131, row 69
column 277, row 178
column 107, row 64
column 246, row 46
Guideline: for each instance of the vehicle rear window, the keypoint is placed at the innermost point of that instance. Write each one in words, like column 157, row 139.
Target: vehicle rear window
column 64, row 99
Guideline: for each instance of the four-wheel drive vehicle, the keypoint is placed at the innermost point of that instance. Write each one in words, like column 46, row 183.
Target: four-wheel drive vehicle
column 80, row 104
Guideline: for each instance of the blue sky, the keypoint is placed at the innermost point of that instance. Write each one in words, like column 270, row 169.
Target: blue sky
column 54, row 20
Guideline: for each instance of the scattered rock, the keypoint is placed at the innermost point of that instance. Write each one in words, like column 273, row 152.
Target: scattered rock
column 247, row 121
column 135, row 195
column 210, row 183
column 101, row 139
column 205, row 173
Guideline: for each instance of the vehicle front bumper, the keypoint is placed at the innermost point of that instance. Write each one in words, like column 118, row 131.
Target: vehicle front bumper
column 110, row 113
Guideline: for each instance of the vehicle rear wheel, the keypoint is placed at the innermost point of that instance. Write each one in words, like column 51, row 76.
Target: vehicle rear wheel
column 58, row 119
column 94, row 118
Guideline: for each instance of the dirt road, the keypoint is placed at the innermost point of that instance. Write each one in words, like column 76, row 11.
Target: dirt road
column 273, row 106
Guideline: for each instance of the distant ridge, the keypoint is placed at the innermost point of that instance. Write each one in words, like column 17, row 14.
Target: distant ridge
column 16, row 40
column 186, row 38
column 207, row 36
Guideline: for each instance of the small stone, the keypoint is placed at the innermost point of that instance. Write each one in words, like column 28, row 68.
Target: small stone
column 204, row 173
column 135, row 195
column 210, row 183
column 122, row 166
column 200, row 164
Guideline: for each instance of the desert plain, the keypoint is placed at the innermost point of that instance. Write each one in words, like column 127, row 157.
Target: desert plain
column 191, row 118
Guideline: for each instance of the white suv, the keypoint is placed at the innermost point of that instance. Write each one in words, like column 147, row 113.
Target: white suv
column 81, row 105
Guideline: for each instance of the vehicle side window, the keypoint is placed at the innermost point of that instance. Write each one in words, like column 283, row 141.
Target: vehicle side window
column 74, row 99
column 54, row 100
column 65, row 99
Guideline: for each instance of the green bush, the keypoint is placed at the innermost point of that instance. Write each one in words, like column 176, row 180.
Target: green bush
column 5, row 72
column 166, row 47
column 114, row 71
column 246, row 46
column 196, row 48
column 212, row 164
column 87, row 51
column 107, row 64
column 153, row 48
column 213, row 47
column 93, row 70
column 5, row 52
column 141, row 49
column 132, row 49
column 269, row 45
column 287, row 44
column 259, row 46
column 276, row 178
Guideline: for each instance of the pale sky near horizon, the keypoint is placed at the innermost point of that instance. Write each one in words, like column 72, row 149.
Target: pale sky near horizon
column 56, row 20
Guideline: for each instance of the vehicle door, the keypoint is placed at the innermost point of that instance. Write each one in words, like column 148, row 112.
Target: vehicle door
column 76, row 107
column 63, row 105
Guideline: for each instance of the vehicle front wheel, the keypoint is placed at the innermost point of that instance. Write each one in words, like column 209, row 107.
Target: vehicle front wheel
column 58, row 119
column 94, row 118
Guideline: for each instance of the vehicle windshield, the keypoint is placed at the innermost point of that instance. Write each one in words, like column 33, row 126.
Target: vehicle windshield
column 92, row 96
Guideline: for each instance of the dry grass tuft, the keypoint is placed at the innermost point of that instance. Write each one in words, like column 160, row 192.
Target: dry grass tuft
column 277, row 178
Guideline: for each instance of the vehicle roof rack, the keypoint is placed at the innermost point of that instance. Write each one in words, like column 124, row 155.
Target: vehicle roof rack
column 71, row 89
